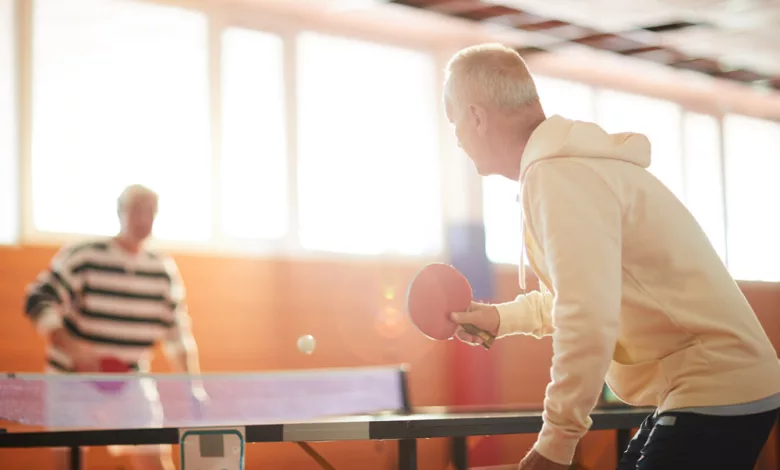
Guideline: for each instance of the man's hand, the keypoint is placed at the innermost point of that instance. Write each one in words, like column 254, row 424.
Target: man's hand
column 534, row 461
column 83, row 358
column 483, row 316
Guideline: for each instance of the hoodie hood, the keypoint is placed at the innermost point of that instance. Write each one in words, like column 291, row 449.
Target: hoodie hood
column 560, row 137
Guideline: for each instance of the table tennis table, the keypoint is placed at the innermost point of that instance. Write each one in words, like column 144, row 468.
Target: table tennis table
column 365, row 403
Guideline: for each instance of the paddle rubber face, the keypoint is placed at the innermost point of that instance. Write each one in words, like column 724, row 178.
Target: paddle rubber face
column 435, row 292
column 112, row 365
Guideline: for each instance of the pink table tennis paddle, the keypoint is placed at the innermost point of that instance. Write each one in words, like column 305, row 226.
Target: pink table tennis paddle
column 436, row 291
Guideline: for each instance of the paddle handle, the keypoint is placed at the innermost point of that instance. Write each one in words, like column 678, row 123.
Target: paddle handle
column 487, row 338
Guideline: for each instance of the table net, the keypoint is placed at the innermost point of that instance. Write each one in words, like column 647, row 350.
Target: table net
column 105, row 401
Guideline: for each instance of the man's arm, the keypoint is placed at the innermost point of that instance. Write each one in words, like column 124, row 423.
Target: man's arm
column 529, row 314
column 180, row 346
column 53, row 292
column 577, row 220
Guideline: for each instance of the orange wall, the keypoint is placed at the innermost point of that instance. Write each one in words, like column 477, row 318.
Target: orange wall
column 248, row 314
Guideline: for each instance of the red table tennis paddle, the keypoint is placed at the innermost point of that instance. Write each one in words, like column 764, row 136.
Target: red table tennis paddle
column 112, row 365
column 436, row 291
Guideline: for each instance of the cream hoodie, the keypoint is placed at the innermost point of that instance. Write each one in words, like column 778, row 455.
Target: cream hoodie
column 632, row 290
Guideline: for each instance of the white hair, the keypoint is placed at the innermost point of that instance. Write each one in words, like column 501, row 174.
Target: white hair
column 490, row 75
column 133, row 191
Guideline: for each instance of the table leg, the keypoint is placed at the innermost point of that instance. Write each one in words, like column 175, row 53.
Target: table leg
column 407, row 454
column 75, row 458
column 459, row 453
column 623, row 438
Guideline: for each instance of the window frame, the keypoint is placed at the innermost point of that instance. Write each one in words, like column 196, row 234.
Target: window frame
column 287, row 21
column 287, row 26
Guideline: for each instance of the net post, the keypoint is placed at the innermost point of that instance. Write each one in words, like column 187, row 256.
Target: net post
column 406, row 403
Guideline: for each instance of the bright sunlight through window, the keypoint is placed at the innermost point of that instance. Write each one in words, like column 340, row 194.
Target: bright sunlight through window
column 120, row 97
column 752, row 149
column 368, row 157
column 704, row 182
column 254, row 136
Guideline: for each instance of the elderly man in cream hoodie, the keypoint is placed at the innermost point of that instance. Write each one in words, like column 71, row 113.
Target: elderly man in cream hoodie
column 632, row 290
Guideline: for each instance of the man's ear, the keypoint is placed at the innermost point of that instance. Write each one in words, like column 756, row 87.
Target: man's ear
column 479, row 115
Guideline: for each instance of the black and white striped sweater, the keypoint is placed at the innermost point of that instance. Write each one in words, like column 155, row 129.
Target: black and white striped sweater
column 121, row 304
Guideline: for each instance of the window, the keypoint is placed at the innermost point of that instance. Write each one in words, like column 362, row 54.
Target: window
column 501, row 211
column 752, row 151
column 659, row 120
column 9, row 153
column 501, row 214
column 254, row 136
column 120, row 96
column 571, row 100
column 704, row 182
column 368, row 156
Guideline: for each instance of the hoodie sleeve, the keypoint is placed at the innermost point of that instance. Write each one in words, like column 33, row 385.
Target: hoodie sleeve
column 576, row 219
column 528, row 314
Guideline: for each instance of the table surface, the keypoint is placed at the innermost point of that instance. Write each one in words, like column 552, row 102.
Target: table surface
column 288, row 406
column 425, row 422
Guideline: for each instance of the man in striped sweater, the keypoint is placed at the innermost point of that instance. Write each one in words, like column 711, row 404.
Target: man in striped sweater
column 115, row 298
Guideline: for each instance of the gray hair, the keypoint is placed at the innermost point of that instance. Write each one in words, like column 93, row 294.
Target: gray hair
column 133, row 191
column 490, row 75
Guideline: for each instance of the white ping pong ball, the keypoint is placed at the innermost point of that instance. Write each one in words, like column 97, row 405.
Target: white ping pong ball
column 306, row 344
